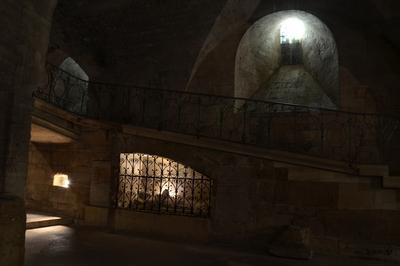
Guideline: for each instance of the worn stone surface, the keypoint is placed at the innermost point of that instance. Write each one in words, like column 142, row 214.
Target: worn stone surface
column 293, row 242
column 363, row 34
column 12, row 231
column 23, row 46
column 253, row 199
column 259, row 55
column 367, row 54
column 83, row 162
column 294, row 85
column 162, row 226
column 112, row 40
column 234, row 14
column 66, row 246
column 23, row 62
column 96, row 216
column 107, row 38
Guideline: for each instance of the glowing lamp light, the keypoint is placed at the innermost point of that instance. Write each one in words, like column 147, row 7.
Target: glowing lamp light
column 292, row 30
column 61, row 180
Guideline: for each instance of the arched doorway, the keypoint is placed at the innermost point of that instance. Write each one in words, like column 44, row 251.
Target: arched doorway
column 289, row 57
column 71, row 87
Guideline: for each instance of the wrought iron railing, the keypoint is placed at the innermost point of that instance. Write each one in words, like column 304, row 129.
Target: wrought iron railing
column 345, row 136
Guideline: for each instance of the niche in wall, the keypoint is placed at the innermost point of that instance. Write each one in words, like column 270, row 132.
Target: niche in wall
column 151, row 183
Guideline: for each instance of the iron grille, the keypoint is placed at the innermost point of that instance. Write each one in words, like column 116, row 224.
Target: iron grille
column 336, row 135
column 157, row 184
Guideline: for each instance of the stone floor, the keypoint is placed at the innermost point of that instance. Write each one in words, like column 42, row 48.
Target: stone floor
column 66, row 246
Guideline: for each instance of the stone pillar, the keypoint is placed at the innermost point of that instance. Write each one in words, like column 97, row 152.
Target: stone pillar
column 25, row 27
column 100, row 184
column 12, row 231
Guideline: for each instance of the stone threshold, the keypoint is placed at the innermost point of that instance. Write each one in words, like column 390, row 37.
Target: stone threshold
column 39, row 220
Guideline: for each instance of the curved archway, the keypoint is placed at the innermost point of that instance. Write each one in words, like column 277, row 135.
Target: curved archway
column 151, row 183
column 261, row 71
column 71, row 86
column 74, row 69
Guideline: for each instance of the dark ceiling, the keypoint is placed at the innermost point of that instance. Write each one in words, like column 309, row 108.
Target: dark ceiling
column 155, row 42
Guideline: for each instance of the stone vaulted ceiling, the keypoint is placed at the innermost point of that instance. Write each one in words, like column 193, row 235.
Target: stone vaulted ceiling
column 159, row 43
column 141, row 42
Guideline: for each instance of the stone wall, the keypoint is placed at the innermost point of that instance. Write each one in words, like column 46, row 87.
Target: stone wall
column 25, row 27
column 12, row 231
column 148, row 43
column 259, row 56
column 253, row 199
column 367, row 54
column 79, row 161
column 162, row 226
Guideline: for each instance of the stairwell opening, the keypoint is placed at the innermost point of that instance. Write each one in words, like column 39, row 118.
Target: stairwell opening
column 289, row 57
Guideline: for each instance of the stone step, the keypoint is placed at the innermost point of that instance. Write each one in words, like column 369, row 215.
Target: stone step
column 39, row 220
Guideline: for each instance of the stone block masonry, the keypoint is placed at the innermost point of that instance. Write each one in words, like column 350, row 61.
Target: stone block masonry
column 25, row 28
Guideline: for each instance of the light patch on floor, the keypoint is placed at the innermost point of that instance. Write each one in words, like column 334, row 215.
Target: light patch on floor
column 39, row 220
column 36, row 217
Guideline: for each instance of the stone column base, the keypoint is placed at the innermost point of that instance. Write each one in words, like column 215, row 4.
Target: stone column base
column 12, row 231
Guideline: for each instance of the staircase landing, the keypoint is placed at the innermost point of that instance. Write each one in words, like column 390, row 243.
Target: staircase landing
column 39, row 220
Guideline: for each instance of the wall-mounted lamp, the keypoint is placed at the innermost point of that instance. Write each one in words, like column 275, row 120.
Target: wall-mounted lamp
column 61, row 180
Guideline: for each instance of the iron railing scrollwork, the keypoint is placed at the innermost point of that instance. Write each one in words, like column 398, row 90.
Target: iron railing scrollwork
column 65, row 91
column 332, row 134
column 151, row 183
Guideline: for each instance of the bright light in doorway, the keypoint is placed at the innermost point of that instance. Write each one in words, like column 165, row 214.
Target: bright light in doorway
column 61, row 180
column 292, row 30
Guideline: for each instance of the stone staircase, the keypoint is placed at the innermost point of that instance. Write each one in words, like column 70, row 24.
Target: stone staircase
column 322, row 169
column 349, row 137
column 340, row 189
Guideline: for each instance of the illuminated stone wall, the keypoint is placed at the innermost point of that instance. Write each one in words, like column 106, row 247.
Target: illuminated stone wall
column 259, row 58
column 79, row 161
column 369, row 57
column 156, row 184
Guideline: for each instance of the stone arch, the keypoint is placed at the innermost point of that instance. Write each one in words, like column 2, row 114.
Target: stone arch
column 157, row 184
column 201, row 160
column 71, row 86
column 70, row 66
column 258, row 56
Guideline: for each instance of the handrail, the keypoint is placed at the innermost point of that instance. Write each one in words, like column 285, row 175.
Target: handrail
column 334, row 134
column 52, row 67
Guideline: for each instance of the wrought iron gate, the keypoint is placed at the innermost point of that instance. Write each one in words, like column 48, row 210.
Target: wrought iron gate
column 157, row 184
